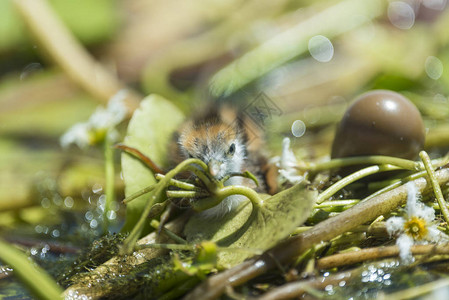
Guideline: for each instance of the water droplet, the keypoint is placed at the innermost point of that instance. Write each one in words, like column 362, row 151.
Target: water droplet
column 97, row 188
column 298, row 128
column 30, row 69
column 88, row 215
column 321, row 48
column 45, row 203
column 38, row 229
column 68, row 202
column 55, row 233
column 102, row 200
column 93, row 224
column 401, row 14
column 111, row 215
column 433, row 67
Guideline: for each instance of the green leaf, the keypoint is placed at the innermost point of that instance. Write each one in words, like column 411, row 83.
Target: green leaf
column 34, row 278
column 254, row 228
column 150, row 130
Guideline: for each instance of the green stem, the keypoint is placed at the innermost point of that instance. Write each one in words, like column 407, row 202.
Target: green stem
column 179, row 184
column 395, row 185
column 186, row 194
column 155, row 224
column 206, row 203
column 350, row 179
column 371, row 160
column 436, row 187
column 155, row 196
column 110, row 180
column 337, row 203
column 139, row 193
column 32, row 276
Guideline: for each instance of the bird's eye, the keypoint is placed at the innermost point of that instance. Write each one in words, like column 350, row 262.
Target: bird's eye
column 232, row 149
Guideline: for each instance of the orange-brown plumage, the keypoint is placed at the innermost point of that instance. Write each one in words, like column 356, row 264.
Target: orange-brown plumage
column 219, row 137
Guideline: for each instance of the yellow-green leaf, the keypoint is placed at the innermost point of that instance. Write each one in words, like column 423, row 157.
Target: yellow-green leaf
column 250, row 228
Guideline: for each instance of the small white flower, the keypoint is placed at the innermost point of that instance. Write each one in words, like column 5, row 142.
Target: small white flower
column 100, row 123
column 113, row 114
column 417, row 227
column 77, row 134
column 287, row 165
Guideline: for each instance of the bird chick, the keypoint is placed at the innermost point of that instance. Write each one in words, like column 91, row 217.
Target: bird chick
column 220, row 139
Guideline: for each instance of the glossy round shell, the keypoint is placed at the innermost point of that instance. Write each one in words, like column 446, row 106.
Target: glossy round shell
column 380, row 122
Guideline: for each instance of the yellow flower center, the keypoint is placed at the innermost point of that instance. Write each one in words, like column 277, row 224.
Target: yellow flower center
column 416, row 228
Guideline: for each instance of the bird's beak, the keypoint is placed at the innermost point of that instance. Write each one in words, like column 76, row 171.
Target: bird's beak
column 214, row 167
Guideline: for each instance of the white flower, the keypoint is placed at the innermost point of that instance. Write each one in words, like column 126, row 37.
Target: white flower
column 100, row 123
column 77, row 134
column 113, row 114
column 417, row 227
column 287, row 165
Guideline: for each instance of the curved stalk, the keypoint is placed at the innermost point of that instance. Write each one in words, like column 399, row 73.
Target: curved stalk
column 350, row 179
column 293, row 247
column 219, row 195
column 395, row 185
column 436, row 187
column 139, row 193
column 359, row 160
column 155, row 196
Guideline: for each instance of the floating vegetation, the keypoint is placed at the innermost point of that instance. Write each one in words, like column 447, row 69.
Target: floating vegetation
column 268, row 149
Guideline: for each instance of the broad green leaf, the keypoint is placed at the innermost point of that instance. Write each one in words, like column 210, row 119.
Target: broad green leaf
column 254, row 228
column 150, row 130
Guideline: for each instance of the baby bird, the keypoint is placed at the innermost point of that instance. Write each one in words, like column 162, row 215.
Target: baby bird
column 220, row 138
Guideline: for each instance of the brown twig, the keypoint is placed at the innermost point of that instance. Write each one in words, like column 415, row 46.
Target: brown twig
column 145, row 159
column 288, row 250
column 350, row 258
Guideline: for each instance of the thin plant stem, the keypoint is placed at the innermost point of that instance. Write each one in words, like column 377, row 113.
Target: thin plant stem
column 350, row 179
column 33, row 277
column 337, row 203
column 295, row 246
column 219, row 195
column 142, row 157
column 179, row 184
column 110, row 180
column 186, row 194
column 435, row 186
column 396, row 184
column 155, row 224
column 155, row 196
column 354, row 257
column 139, row 193
column 371, row 160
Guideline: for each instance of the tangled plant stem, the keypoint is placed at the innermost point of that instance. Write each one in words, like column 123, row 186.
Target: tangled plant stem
column 352, row 178
column 290, row 249
column 157, row 195
column 367, row 160
column 215, row 190
column 436, row 187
